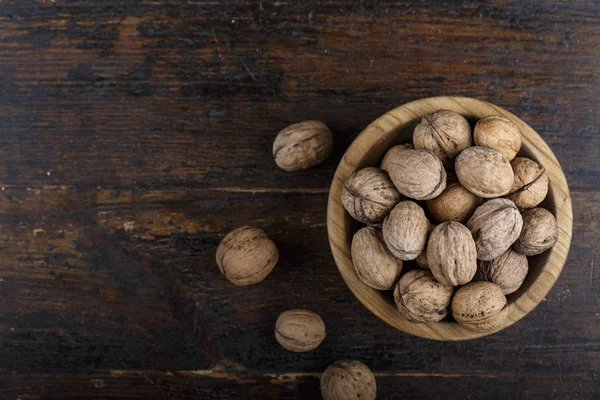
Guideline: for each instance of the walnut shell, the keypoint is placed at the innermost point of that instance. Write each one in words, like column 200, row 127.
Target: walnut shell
column 302, row 145
column 444, row 133
column 369, row 195
column 246, row 256
column 420, row 298
column 455, row 203
column 498, row 133
column 508, row 271
column 530, row 186
column 347, row 379
column 479, row 306
column 421, row 259
column 539, row 233
column 299, row 330
column 405, row 230
column 375, row 265
column 451, row 253
column 484, row 172
column 391, row 153
column 495, row 225
column 417, row 174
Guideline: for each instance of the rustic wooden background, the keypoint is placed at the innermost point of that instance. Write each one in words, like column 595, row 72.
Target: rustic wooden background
column 134, row 135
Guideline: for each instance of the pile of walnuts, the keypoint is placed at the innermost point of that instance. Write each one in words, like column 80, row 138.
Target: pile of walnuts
column 468, row 215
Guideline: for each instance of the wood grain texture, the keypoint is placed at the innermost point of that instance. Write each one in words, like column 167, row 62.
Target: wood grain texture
column 396, row 126
column 135, row 135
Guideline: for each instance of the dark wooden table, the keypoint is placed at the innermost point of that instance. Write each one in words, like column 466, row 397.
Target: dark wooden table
column 134, row 135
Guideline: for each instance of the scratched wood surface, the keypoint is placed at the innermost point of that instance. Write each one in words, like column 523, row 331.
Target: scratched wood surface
column 135, row 135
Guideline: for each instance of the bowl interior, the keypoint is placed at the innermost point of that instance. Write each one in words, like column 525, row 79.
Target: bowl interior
column 397, row 127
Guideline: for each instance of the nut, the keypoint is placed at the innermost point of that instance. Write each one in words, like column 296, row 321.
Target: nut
column 421, row 259
column 479, row 306
column 391, row 153
column 455, row 203
column 369, row 195
column 507, row 271
column 531, row 183
column 539, row 233
column 347, row 379
column 405, row 230
column 420, row 298
column 484, row 172
column 246, row 256
column 417, row 174
column 498, row 133
column 299, row 330
column 375, row 265
column 302, row 145
column 444, row 133
column 451, row 254
column 495, row 225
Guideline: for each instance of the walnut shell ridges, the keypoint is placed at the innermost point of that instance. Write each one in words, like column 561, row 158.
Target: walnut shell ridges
column 498, row 133
column 347, row 379
column 369, row 195
column 530, row 186
column 417, row 174
column 375, row 265
column 246, row 256
column 299, row 330
column 444, row 133
column 421, row 298
column 391, row 153
column 484, row 172
column 508, row 271
column 451, row 254
column 302, row 145
column 495, row 225
column 405, row 230
column 539, row 233
column 479, row 306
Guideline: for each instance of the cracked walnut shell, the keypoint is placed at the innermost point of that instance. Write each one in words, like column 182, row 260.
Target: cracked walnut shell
column 246, row 256
column 421, row 298
column 347, row 379
column 369, row 195
column 498, row 133
column 451, row 254
column 508, row 271
column 530, row 186
column 302, row 145
column 375, row 265
column 444, row 133
column 405, row 230
column 539, row 233
column 484, row 172
column 299, row 330
column 479, row 306
column 417, row 174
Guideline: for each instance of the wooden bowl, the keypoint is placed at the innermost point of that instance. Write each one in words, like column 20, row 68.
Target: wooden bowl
column 397, row 126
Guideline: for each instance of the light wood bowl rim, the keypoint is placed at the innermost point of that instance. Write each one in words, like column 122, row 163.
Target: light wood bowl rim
column 380, row 133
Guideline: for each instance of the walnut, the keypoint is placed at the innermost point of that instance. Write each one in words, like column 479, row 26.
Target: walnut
column 498, row 133
column 347, row 379
column 405, row 230
column 375, row 265
column 495, row 225
column 369, row 195
column 417, row 174
column 444, row 133
column 421, row 259
column 299, row 330
column 484, row 172
column 302, row 145
column 479, row 306
column 391, row 153
column 451, row 253
column 531, row 183
column 246, row 256
column 508, row 271
column 539, row 233
column 455, row 203
column 421, row 298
